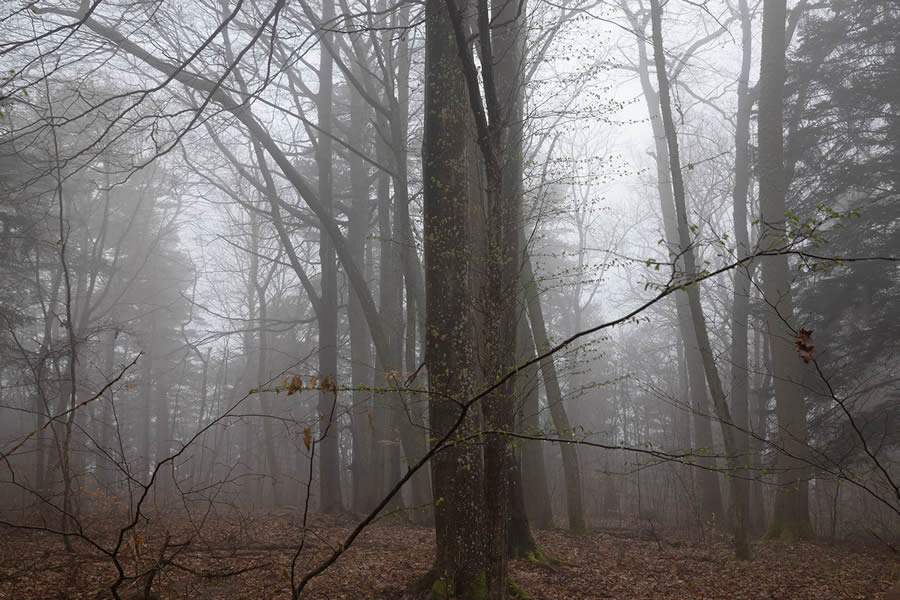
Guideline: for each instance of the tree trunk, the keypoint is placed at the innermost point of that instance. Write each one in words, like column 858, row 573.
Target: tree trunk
column 537, row 498
column 791, row 517
column 740, row 375
column 390, row 416
column 360, row 354
column 265, row 398
column 413, row 433
column 707, row 480
column 571, row 469
column 458, row 472
column 105, row 468
column 736, row 462
column 329, row 459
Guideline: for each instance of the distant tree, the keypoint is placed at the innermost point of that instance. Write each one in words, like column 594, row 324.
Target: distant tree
column 843, row 124
column 843, row 142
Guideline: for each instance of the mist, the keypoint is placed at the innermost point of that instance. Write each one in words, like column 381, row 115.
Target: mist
column 465, row 299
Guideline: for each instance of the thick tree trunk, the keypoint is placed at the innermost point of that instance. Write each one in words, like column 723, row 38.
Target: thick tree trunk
column 791, row 517
column 504, row 227
column 460, row 566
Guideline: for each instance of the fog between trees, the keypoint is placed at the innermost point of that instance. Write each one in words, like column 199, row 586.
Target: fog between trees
column 488, row 268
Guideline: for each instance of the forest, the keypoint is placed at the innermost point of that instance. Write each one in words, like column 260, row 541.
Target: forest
column 435, row 299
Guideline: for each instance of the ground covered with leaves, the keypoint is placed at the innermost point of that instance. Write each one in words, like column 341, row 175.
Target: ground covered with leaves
column 239, row 555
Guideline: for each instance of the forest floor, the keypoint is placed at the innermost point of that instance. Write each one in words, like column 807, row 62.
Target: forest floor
column 250, row 556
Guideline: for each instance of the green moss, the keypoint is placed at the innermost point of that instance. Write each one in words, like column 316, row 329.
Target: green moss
column 517, row 593
column 471, row 587
column 425, row 583
column 474, row 587
column 539, row 557
column 441, row 589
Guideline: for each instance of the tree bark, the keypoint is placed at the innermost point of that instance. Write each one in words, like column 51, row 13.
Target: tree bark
column 791, row 517
column 460, row 566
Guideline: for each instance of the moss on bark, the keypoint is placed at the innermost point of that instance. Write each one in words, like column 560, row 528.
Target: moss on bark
column 517, row 593
column 464, row 586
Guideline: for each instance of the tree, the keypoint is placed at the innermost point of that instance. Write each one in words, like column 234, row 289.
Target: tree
column 736, row 460
column 329, row 463
column 458, row 472
column 710, row 495
column 791, row 517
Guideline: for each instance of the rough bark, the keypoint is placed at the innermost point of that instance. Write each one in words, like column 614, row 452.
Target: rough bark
column 508, row 39
column 458, row 475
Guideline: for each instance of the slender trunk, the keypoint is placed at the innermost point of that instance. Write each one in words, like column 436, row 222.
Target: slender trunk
column 360, row 354
column 391, row 417
column 740, row 375
column 329, row 459
column 710, row 495
column 104, row 466
column 411, row 420
column 43, row 409
column 571, row 470
column 147, row 398
column 162, row 432
column 537, row 497
column 736, row 461
column 760, row 408
column 265, row 398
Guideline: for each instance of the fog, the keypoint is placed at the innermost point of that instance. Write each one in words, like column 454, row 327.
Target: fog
column 472, row 296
